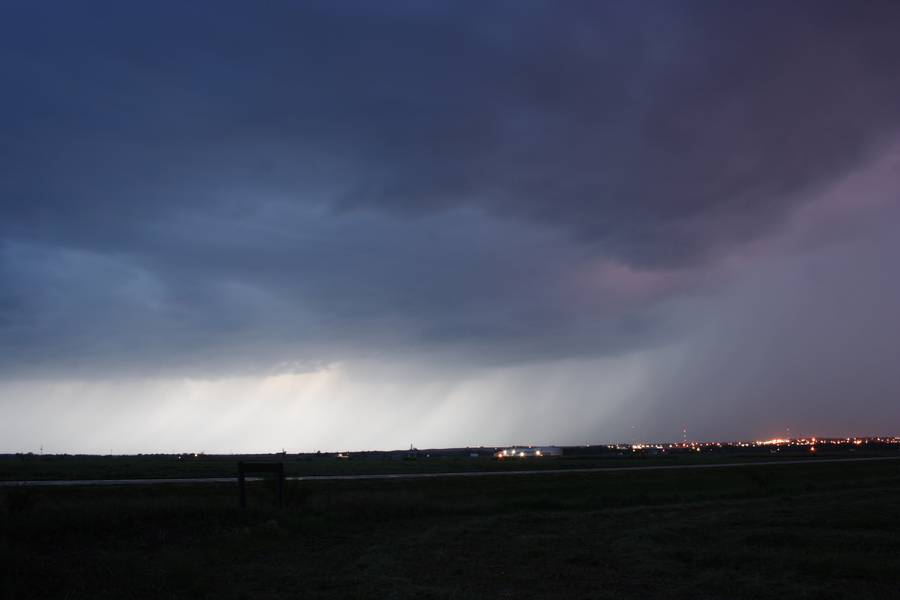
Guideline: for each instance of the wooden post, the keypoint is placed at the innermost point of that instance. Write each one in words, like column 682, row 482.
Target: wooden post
column 280, row 484
column 241, row 485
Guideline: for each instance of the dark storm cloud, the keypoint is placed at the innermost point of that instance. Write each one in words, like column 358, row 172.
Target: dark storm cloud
column 277, row 181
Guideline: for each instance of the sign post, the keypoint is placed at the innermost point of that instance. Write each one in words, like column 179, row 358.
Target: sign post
column 261, row 467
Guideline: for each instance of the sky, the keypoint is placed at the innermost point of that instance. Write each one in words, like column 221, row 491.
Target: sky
column 246, row 227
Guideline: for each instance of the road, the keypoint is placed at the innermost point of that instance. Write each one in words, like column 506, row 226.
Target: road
column 210, row 480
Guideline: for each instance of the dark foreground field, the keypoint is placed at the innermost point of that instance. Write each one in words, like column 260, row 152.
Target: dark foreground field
column 799, row 531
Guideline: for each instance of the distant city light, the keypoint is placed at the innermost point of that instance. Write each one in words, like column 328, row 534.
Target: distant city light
column 775, row 443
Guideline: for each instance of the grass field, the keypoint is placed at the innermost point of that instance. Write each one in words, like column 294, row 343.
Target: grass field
column 799, row 531
column 65, row 467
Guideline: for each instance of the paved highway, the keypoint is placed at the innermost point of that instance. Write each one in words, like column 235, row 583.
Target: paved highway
column 211, row 480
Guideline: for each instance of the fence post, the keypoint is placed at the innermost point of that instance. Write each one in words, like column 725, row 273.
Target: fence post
column 280, row 476
column 241, row 486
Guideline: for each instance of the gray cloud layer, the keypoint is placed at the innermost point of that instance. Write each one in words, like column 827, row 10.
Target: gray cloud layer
column 216, row 188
